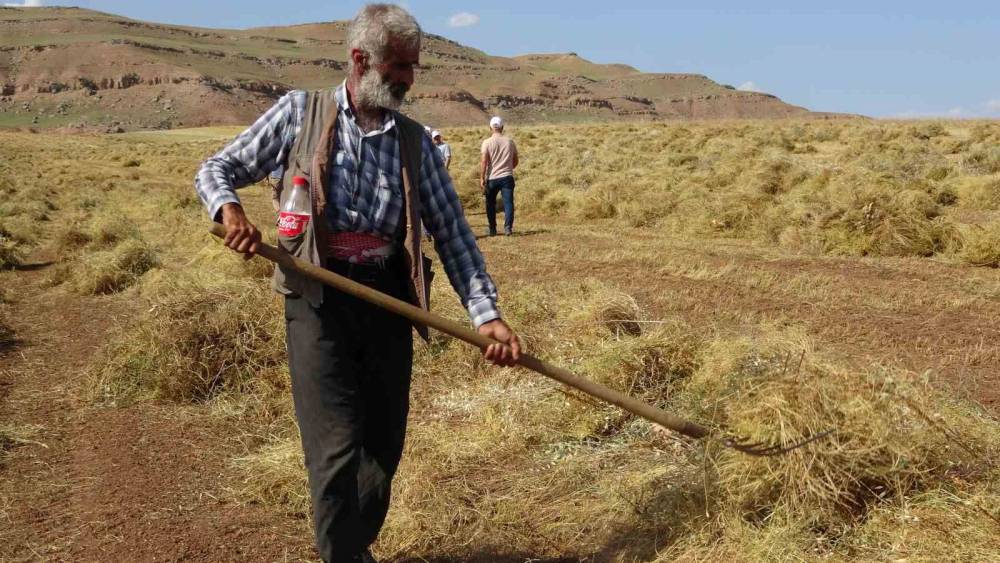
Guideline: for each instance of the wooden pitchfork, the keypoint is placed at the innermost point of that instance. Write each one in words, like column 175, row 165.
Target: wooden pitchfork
column 456, row 330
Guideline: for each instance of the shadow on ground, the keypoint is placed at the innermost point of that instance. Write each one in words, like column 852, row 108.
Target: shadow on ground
column 8, row 340
column 491, row 558
column 33, row 266
column 516, row 234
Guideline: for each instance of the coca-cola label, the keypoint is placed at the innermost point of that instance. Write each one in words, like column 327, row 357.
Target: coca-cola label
column 292, row 224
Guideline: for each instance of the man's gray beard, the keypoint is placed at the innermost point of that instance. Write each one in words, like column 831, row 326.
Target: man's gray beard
column 373, row 92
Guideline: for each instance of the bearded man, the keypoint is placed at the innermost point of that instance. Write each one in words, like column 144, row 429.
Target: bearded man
column 374, row 177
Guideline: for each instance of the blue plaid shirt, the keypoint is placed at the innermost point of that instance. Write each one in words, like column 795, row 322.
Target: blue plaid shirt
column 366, row 193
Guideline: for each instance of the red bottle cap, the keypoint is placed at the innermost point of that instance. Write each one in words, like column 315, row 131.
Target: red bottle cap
column 300, row 181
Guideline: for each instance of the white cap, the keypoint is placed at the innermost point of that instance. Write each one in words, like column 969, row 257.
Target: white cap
column 496, row 122
column 435, row 134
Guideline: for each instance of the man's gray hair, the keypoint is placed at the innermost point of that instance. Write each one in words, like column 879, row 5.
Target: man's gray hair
column 377, row 27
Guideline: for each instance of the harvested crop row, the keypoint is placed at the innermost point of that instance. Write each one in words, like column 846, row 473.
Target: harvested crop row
column 508, row 463
column 511, row 464
column 847, row 188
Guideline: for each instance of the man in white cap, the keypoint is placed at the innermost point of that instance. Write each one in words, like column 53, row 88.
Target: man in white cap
column 497, row 176
column 443, row 147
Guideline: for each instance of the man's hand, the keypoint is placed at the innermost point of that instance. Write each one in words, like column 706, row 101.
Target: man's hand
column 508, row 349
column 241, row 235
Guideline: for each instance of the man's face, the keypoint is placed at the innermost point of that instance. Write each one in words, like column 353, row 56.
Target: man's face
column 398, row 68
column 437, row 140
column 386, row 82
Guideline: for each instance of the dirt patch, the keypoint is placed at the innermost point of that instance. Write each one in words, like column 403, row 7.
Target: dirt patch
column 141, row 483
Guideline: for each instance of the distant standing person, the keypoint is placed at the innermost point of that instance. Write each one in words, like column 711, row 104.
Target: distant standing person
column 497, row 176
column 443, row 147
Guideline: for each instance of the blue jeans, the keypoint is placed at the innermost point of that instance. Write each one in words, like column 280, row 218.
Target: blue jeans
column 504, row 186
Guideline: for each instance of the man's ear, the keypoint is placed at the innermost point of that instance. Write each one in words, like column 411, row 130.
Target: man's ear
column 360, row 59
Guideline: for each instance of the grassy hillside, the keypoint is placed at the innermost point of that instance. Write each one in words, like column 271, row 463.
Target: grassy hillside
column 771, row 278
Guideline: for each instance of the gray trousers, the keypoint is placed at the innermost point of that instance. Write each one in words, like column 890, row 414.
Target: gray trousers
column 350, row 364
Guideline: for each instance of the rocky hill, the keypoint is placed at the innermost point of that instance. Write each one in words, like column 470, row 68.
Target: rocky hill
column 80, row 69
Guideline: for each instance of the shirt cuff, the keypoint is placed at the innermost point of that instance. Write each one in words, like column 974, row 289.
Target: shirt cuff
column 217, row 203
column 483, row 311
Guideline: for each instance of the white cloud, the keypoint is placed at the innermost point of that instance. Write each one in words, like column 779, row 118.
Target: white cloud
column 25, row 4
column 993, row 106
column 749, row 86
column 957, row 112
column 463, row 19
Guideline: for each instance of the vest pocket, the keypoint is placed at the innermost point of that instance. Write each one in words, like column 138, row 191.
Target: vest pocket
column 290, row 282
column 292, row 244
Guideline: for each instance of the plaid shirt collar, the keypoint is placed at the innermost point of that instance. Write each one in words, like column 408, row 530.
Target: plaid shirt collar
column 388, row 120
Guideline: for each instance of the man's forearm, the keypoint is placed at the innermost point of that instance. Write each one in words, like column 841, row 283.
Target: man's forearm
column 482, row 309
column 241, row 235
column 455, row 243
column 232, row 212
column 251, row 156
column 214, row 188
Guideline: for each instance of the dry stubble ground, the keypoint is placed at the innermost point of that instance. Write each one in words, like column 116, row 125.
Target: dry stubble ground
column 132, row 429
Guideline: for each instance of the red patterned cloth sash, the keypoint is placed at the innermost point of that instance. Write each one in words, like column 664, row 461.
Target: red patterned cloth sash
column 359, row 248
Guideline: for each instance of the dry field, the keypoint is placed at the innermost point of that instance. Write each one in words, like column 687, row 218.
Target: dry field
column 774, row 278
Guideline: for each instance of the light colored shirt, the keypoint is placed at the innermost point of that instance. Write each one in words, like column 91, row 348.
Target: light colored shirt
column 366, row 194
column 445, row 152
column 501, row 152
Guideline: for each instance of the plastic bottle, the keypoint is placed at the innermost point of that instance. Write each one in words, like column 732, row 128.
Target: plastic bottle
column 295, row 213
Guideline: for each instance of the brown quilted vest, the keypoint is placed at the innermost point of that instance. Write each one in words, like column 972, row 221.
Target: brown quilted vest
column 310, row 157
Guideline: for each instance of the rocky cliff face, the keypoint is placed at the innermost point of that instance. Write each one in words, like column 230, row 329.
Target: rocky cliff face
column 67, row 67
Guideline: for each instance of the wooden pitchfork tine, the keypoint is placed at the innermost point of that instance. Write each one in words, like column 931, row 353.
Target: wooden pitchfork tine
column 453, row 329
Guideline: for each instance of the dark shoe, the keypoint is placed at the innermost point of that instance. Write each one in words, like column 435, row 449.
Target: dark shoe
column 491, row 233
column 508, row 232
column 365, row 557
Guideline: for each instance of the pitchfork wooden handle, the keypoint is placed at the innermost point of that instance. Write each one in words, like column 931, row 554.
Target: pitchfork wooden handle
column 456, row 330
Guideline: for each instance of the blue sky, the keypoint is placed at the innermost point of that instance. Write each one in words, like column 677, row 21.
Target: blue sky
column 888, row 59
